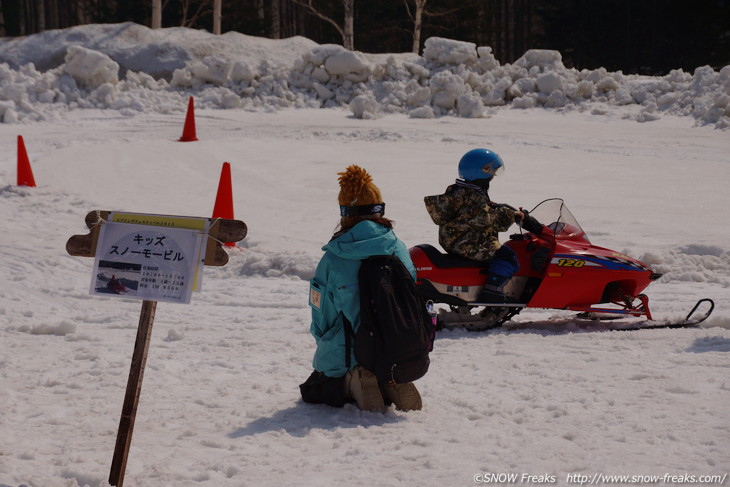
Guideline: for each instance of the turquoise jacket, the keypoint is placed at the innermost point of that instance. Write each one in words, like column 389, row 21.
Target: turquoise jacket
column 334, row 291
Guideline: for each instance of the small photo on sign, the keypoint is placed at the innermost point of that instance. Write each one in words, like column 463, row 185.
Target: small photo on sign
column 117, row 277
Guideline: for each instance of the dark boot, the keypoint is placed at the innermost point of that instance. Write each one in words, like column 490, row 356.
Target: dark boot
column 405, row 397
column 493, row 290
column 362, row 386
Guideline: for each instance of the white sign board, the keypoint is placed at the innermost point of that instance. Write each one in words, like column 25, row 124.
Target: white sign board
column 158, row 259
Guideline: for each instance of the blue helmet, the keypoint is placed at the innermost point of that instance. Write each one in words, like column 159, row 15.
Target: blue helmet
column 480, row 164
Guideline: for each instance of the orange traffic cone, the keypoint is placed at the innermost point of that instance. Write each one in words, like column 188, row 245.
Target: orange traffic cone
column 224, row 199
column 188, row 134
column 25, row 173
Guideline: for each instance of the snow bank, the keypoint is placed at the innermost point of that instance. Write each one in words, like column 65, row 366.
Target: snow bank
column 131, row 68
column 90, row 68
column 693, row 263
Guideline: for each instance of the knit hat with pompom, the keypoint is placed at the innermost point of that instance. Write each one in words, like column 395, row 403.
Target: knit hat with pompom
column 358, row 194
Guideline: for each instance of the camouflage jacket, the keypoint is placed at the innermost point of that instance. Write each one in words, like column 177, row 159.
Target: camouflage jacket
column 468, row 223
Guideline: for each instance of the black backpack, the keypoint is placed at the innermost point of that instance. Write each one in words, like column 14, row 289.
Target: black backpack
column 396, row 332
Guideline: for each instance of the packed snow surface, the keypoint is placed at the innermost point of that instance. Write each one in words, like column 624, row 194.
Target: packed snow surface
column 547, row 398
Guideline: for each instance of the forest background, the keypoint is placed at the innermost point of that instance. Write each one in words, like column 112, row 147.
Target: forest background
column 649, row 37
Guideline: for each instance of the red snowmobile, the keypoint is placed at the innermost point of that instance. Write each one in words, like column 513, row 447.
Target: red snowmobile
column 559, row 269
column 115, row 285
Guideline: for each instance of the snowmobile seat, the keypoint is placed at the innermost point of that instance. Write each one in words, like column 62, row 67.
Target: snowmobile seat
column 449, row 261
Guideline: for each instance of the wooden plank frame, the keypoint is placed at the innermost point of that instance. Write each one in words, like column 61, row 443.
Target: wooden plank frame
column 221, row 231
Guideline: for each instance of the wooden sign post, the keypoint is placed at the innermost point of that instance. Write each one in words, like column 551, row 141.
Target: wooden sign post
column 220, row 230
column 131, row 397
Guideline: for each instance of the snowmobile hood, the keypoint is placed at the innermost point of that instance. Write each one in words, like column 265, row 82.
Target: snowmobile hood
column 363, row 240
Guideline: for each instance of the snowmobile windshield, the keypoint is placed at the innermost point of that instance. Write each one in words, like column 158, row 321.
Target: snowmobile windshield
column 557, row 217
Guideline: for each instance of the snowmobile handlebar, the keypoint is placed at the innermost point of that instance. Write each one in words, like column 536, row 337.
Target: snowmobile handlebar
column 527, row 222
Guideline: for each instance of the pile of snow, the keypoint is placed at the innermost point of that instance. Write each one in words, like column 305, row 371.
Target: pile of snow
column 131, row 68
column 693, row 263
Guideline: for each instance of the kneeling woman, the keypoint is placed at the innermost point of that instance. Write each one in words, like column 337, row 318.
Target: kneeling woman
column 334, row 297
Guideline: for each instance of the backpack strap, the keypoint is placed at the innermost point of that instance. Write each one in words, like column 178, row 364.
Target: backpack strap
column 349, row 340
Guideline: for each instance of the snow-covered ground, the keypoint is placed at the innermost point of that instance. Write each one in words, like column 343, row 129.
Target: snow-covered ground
column 547, row 395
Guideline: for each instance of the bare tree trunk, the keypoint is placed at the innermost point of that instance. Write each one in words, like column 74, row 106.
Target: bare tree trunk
column 156, row 14
column 22, row 22
column 525, row 22
column 349, row 31
column 518, row 24
column 260, row 13
column 503, row 31
column 185, row 8
column 286, row 19
column 511, row 29
column 417, row 24
column 275, row 19
column 40, row 15
column 217, row 17
column 482, row 21
column 496, row 35
column 53, row 14
column 289, row 18
column 82, row 13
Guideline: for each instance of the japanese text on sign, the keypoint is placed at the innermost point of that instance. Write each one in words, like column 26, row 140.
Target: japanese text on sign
column 156, row 260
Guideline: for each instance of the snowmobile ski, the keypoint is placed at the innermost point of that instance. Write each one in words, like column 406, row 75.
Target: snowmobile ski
column 690, row 321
